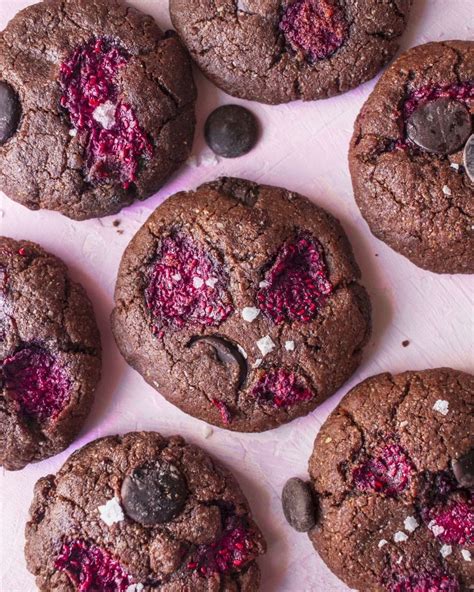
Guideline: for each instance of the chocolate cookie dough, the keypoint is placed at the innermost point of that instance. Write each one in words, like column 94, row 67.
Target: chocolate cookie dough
column 241, row 304
column 50, row 355
column 96, row 107
column 392, row 471
column 142, row 512
column 275, row 51
column 406, row 157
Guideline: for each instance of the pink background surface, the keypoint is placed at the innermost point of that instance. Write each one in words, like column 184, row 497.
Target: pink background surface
column 303, row 148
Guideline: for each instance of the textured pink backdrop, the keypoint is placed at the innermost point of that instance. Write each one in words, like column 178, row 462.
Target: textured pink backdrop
column 303, row 148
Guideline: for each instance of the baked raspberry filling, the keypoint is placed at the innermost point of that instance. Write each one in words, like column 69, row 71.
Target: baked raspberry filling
column 115, row 141
column 186, row 285
column 281, row 389
column 226, row 415
column 452, row 523
column 434, row 581
column 229, row 553
column 35, row 379
column 296, row 286
column 92, row 569
column 388, row 473
column 316, row 28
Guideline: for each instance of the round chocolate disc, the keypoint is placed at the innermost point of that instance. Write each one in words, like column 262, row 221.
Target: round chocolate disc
column 9, row 111
column 469, row 158
column 231, row 131
column 154, row 493
column 441, row 126
column 298, row 505
column 463, row 469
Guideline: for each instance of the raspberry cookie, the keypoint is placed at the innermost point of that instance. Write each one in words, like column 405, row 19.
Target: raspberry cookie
column 50, row 355
column 410, row 179
column 99, row 110
column 139, row 513
column 393, row 473
column 241, row 304
column 276, row 51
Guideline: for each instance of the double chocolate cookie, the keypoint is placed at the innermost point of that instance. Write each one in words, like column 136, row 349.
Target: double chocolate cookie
column 141, row 513
column 241, row 304
column 50, row 355
column 96, row 107
column 275, row 51
column 411, row 180
column 393, row 473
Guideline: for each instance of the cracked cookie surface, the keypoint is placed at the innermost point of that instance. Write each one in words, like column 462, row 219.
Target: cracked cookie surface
column 392, row 515
column 50, row 355
column 419, row 202
column 275, row 51
column 82, row 537
column 240, row 303
column 106, row 103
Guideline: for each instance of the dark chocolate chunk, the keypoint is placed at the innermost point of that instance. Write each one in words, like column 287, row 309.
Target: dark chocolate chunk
column 441, row 126
column 154, row 493
column 227, row 353
column 463, row 469
column 231, row 131
column 9, row 111
column 469, row 158
column 298, row 505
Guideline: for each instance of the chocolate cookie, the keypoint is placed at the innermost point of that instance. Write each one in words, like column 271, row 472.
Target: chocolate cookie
column 241, row 304
column 97, row 111
column 392, row 467
column 275, row 51
column 406, row 157
column 50, row 355
column 142, row 512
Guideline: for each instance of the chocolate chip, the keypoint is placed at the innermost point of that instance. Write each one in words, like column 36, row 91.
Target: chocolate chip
column 9, row 112
column 154, row 493
column 463, row 469
column 226, row 352
column 441, row 126
column 298, row 505
column 469, row 158
column 231, row 131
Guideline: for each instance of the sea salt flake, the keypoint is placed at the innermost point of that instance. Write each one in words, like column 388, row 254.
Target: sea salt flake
column 446, row 190
column 73, row 132
column 411, row 524
column 250, row 313
column 466, row 555
column 135, row 588
column 290, row 345
column 198, row 282
column 211, row 282
column 441, row 407
column 266, row 345
column 446, row 550
column 455, row 166
column 400, row 537
column 176, row 277
column 207, row 431
column 263, row 284
column 242, row 351
column 111, row 512
column 257, row 363
column 436, row 529
column 382, row 543
column 403, row 424
column 105, row 114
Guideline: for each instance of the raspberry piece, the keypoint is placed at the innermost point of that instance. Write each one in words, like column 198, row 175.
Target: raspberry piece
column 115, row 145
column 388, row 473
column 186, row 285
column 435, row 581
column 226, row 415
column 297, row 285
column 91, row 568
column 317, row 28
column 229, row 553
column 34, row 378
column 453, row 523
column 281, row 388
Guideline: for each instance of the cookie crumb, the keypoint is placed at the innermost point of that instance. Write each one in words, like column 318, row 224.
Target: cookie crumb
column 382, row 543
column 111, row 512
column 207, row 431
column 446, row 550
column 400, row 537
column 441, row 407
column 411, row 524
column 290, row 345
column 266, row 345
column 116, row 222
column 250, row 313
column 466, row 555
column 405, row 343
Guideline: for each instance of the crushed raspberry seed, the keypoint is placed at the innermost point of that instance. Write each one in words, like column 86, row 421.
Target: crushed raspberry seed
column 92, row 569
column 226, row 415
column 88, row 80
column 388, row 473
column 22, row 252
column 316, row 28
column 282, row 389
column 229, row 553
column 296, row 286
column 452, row 523
column 35, row 379
column 435, row 580
column 173, row 295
